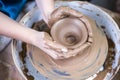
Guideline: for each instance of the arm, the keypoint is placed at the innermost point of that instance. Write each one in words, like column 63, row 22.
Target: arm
column 7, row 28
column 11, row 28
column 46, row 7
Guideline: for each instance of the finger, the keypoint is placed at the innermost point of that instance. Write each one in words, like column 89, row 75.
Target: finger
column 76, row 51
column 52, row 44
column 53, row 54
column 55, row 46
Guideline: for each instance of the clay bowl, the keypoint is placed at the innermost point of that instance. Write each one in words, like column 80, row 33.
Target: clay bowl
column 32, row 68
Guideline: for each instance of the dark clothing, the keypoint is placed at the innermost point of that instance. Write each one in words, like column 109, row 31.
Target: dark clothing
column 11, row 8
column 108, row 4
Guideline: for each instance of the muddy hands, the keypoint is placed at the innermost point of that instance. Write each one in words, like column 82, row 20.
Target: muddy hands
column 71, row 33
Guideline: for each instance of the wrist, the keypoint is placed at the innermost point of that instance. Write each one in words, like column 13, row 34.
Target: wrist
column 36, row 38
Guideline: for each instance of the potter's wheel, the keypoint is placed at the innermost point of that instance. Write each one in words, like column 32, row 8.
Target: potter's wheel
column 72, row 68
column 80, row 62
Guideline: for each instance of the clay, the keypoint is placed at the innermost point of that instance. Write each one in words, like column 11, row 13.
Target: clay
column 40, row 26
column 86, row 42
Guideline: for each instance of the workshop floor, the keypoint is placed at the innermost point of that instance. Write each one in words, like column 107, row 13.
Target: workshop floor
column 8, row 70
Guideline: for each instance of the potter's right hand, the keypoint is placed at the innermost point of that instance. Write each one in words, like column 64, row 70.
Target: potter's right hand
column 43, row 41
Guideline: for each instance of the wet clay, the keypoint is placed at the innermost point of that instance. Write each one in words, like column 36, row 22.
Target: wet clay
column 41, row 26
column 86, row 43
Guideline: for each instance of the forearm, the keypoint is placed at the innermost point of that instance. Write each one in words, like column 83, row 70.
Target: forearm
column 46, row 7
column 10, row 28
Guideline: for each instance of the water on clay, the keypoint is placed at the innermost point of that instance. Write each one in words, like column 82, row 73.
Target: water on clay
column 41, row 26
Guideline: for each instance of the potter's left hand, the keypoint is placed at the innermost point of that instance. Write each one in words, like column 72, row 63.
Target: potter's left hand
column 43, row 41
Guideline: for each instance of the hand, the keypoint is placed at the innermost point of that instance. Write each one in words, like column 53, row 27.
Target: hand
column 67, row 12
column 63, row 12
column 40, row 39
column 43, row 41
